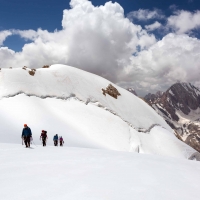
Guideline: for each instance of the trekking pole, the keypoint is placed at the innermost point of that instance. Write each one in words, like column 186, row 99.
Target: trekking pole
column 34, row 143
column 46, row 141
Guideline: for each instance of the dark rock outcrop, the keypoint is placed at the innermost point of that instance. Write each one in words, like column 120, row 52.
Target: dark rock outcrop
column 153, row 98
column 112, row 91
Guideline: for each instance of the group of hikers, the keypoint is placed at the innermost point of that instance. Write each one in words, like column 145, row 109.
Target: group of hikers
column 27, row 137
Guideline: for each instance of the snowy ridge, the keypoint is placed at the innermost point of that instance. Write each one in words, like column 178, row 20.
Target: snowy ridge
column 64, row 81
column 73, row 96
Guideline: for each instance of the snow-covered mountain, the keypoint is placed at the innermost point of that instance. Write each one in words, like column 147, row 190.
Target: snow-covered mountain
column 87, row 110
column 94, row 116
column 132, row 90
column 180, row 107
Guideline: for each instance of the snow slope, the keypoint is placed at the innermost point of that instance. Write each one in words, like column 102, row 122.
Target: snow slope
column 86, row 174
column 82, row 125
column 69, row 102
column 65, row 81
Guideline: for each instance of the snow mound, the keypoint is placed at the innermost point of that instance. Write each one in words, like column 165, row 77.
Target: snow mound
column 69, row 102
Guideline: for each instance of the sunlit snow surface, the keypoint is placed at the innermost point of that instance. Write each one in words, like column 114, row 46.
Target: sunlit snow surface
column 82, row 125
column 75, row 173
column 69, row 102
column 65, row 81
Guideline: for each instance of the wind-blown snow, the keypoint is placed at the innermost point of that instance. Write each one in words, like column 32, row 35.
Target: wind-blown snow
column 74, row 173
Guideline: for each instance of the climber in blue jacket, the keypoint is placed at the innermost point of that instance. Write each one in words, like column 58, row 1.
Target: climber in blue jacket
column 55, row 139
column 26, row 135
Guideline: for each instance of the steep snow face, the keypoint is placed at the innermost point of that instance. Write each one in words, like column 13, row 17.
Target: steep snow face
column 65, row 81
column 70, row 103
column 77, row 173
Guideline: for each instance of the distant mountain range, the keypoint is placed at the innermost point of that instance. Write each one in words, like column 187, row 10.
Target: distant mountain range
column 180, row 107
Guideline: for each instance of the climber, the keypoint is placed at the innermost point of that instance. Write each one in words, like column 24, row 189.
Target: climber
column 26, row 135
column 44, row 137
column 55, row 139
column 61, row 141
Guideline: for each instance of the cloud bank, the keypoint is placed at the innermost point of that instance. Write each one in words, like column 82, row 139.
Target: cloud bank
column 174, row 58
column 100, row 40
column 103, row 41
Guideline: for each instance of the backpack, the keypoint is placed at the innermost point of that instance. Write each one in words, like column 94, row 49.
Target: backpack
column 55, row 137
column 44, row 134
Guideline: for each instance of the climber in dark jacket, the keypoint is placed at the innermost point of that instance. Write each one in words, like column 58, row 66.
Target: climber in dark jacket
column 26, row 135
column 44, row 137
column 55, row 139
column 61, row 141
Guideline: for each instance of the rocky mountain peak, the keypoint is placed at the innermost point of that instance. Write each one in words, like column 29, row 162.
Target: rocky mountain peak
column 152, row 98
column 182, row 96
column 180, row 107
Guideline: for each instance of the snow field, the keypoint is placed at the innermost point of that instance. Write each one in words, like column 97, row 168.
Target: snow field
column 87, row 174
column 66, row 101
column 160, row 142
column 82, row 125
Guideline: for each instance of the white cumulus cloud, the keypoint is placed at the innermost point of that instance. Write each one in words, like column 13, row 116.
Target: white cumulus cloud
column 153, row 26
column 97, row 39
column 4, row 35
column 26, row 34
column 184, row 21
column 174, row 58
column 146, row 14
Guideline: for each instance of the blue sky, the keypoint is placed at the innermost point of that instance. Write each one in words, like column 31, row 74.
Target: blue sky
column 47, row 14
column 144, row 44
